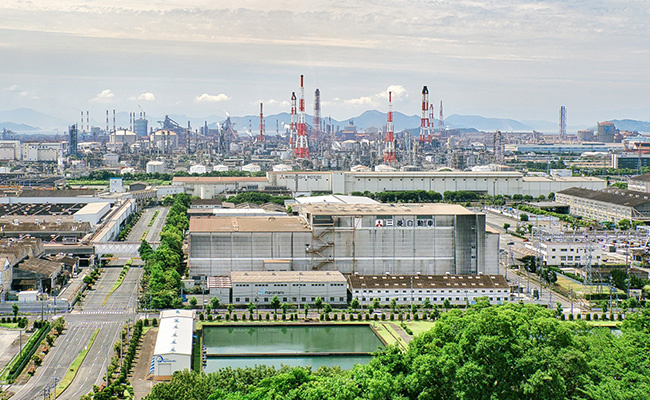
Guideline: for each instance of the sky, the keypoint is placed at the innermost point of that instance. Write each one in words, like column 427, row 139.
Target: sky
column 519, row 59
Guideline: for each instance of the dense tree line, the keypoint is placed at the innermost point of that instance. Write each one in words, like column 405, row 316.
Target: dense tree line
column 164, row 267
column 488, row 352
column 257, row 198
column 421, row 196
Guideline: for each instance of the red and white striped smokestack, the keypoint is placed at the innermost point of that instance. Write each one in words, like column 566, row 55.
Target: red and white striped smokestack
column 114, row 124
column 389, row 153
column 424, row 121
column 107, row 124
column 260, row 137
column 302, row 148
column 81, row 126
column 88, row 121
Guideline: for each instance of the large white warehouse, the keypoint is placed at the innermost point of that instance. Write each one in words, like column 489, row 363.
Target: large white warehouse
column 173, row 351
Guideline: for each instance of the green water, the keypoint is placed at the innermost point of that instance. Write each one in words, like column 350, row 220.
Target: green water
column 299, row 341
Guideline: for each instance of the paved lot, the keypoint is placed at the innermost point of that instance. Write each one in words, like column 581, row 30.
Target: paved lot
column 9, row 344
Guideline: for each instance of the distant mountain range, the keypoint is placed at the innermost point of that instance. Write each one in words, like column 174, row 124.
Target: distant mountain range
column 25, row 120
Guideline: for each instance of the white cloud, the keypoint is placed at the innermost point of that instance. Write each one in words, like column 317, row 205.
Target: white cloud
column 104, row 97
column 210, row 98
column 147, row 96
column 275, row 102
column 399, row 92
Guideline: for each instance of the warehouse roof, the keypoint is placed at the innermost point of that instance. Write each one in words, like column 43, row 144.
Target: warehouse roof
column 617, row 196
column 93, row 208
column 175, row 334
column 562, row 179
column 337, row 199
column 57, row 193
column 286, row 276
column 385, row 209
column 249, row 224
column 644, row 178
column 41, row 267
column 427, row 281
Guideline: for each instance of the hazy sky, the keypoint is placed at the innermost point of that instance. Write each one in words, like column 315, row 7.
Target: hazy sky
column 512, row 59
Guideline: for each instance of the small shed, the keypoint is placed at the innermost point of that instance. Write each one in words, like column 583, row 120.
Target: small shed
column 27, row 296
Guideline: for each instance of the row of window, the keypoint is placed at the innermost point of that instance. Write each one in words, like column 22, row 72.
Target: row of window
column 433, row 299
column 434, row 291
column 285, row 284
column 286, row 299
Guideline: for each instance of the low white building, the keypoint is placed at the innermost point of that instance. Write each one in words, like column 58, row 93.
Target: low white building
column 155, row 166
column 10, row 150
column 415, row 289
column 28, row 296
column 173, row 351
column 43, row 151
column 567, row 254
column 297, row 287
column 92, row 212
column 116, row 185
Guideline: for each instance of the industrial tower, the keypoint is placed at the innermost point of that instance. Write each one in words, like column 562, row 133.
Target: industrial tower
column 432, row 120
column 293, row 128
column 498, row 148
column 389, row 152
column 562, row 123
column 425, row 126
column 302, row 148
column 260, row 137
column 441, row 120
column 316, row 122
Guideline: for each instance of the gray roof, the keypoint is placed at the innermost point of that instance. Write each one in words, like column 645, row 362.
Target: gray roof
column 617, row 196
column 427, row 281
column 644, row 178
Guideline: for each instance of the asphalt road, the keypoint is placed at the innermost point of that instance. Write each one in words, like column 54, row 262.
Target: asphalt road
column 109, row 318
column 153, row 231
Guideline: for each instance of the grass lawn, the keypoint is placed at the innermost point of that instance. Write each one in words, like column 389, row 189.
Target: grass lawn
column 72, row 372
column 9, row 325
column 609, row 324
column 579, row 289
column 420, row 326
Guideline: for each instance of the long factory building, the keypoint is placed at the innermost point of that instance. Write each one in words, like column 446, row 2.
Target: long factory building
column 368, row 239
column 306, row 183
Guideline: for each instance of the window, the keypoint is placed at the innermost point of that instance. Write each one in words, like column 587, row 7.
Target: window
column 332, row 298
column 236, row 299
column 247, row 300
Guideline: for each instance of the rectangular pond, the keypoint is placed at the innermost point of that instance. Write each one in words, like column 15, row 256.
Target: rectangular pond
column 293, row 345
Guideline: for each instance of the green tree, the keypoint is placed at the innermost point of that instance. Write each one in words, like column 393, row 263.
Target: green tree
column 284, row 307
column 506, row 226
column 306, row 308
column 231, row 308
column 375, row 304
column 15, row 309
column 275, row 304
column 145, row 250
column 426, row 304
column 393, row 304
column 354, row 304
column 215, row 302
column 624, row 224
column 318, row 303
column 327, row 308
column 59, row 325
column 193, row 302
column 251, row 308
column 446, row 304
column 523, row 217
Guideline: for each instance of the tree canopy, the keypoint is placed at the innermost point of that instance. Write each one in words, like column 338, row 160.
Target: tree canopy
column 487, row 352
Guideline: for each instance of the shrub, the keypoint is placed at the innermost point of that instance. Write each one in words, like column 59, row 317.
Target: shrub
column 367, row 317
column 146, row 322
column 243, row 317
column 234, row 317
column 201, row 317
column 579, row 316
column 154, row 322
column 275, row 317
column 595, row 317
column 209, row 317
column 336, row 317
column 268, row 316
column 588, row 317
column 562, row 317
column 416, row 317
column 619, row 317
column 227, row 317
column 570, row 317
column 392, row 316
column 376, row 317
column 383, row 317
column 322, row 317
column 327, row 317
column 342, row 317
